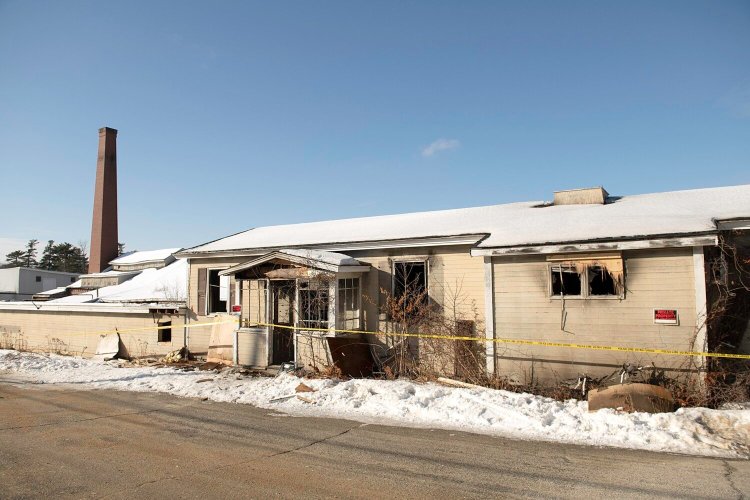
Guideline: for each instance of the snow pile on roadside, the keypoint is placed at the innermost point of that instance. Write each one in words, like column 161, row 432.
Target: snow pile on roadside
column 696, row 431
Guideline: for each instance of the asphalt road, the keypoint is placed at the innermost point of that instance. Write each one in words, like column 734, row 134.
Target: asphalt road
column 58, row 443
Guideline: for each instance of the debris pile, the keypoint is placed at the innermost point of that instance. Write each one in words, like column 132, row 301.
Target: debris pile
column 175, row 356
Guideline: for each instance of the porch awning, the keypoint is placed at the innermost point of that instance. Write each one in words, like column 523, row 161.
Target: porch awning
column 311, row 259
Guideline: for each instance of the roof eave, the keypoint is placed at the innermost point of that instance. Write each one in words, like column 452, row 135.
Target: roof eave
column 708, row 238
column 427, row 241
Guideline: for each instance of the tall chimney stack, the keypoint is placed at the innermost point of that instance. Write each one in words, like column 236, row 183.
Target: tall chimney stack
column 104, row 224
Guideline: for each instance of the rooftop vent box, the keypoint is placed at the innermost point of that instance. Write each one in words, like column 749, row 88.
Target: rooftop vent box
column 586, row 196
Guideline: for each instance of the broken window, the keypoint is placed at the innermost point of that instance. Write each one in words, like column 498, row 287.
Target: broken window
column 586, row 275
column 566, row 280
column 601, row 281
column 217, row 292
column 165, row 331
column 410, row 281
column 347, row 303
column 313, row 298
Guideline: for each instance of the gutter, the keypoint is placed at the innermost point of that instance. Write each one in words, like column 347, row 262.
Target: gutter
column 426, row 241
column 665, row 241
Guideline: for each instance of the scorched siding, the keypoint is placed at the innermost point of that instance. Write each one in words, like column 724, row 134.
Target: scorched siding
column 524, row 310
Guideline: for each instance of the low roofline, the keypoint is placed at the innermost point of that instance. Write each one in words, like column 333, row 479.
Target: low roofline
column 38, row 270
column 140, row 262
column 428, row 241
column 108, row 274
column 92, row 307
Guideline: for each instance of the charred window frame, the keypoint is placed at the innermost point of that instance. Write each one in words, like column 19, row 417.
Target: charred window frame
column 588, row 277
column 410, row 277
column 601, row 283
column 565, row 280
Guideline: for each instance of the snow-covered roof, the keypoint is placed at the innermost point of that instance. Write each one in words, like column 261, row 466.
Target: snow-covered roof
column 333, row 258
column 316, row 259
column 54, row 291
column 108, row 273
column 168, row 284
column 76, row 284
column 515, row 224
column 142, row 257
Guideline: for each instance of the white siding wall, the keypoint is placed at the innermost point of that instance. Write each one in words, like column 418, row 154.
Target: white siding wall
column 523, row 310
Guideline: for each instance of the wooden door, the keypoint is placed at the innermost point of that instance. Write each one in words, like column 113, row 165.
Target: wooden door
column 282, row 314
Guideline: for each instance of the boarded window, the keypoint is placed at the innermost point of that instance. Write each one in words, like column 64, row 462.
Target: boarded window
column 165, row 331
column 469, row 358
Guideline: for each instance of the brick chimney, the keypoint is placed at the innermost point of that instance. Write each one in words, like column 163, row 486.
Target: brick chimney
column 104, row 224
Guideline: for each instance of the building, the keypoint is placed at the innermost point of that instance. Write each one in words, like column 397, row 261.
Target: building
column 141, row 294
column 586, row 268
column 22, row 283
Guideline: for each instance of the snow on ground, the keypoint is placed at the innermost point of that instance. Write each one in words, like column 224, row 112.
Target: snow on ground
column 696, row 431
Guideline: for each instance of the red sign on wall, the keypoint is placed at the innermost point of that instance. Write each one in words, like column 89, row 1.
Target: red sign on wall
column 666, row 316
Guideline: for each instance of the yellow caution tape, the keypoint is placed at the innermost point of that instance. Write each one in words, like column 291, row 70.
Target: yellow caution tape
column 541, row 343
column 496, row 340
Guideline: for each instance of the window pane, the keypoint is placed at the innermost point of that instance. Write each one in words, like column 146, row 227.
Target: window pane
column 601, row 281
column 566, row 280
column 314, row 307
column 410, row 280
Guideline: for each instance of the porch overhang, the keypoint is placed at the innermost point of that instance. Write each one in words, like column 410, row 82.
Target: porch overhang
column 312, row 259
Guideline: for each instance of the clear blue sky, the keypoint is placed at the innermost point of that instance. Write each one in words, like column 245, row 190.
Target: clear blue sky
column 238, row 114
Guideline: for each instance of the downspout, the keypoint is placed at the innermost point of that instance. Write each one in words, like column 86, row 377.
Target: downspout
column 296, row 321
column 489, row 316
column 186, row 321
column 700, row 342
column 185, row 331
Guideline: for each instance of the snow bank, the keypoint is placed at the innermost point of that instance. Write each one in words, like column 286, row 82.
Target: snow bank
column 696, row 431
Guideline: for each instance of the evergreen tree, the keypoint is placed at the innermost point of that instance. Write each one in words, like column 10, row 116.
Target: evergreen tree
column 29, row 256
column 69, row 258
column 46, row 261
column 15, row 259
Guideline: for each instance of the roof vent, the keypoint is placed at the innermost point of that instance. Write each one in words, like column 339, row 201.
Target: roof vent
column 586, row 196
